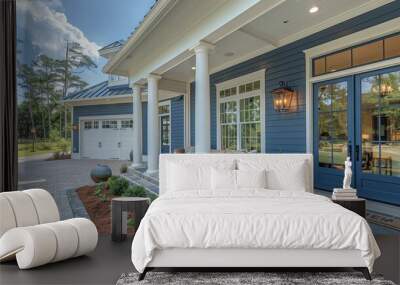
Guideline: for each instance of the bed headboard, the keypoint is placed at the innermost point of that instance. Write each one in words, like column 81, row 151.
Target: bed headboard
column 211, row 158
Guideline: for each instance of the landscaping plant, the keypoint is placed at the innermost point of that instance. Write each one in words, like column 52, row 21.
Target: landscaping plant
column 135, row 191
column 117, row 185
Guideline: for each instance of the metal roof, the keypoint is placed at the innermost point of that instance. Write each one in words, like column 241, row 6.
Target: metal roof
column 99, row 91
column 115, row 44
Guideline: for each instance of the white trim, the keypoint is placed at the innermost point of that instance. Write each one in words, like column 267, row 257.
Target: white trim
column 235, row 82
column 375, row 32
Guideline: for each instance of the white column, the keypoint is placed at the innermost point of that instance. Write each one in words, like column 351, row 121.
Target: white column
column 137, row 125
column 202, row 110
column 153, row 129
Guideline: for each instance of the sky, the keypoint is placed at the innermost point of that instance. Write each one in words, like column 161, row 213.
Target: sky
column 44, row 27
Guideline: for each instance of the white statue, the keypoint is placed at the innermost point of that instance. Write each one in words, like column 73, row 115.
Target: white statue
column 347, row 174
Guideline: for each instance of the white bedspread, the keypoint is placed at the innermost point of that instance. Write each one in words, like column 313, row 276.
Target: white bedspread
column 250, row 219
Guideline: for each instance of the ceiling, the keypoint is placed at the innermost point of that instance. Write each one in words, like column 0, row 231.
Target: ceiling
column 281, row 25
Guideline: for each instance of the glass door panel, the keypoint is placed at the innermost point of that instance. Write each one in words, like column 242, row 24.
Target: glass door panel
column 250, row 124
column 228, row 120
column 332, row 132
column 378, row 134
column 165, row 133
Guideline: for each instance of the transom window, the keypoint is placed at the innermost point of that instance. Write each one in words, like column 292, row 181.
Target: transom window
column 384, row 48
column 127, row 124
column 240, row 117
column 110, row 124
column 163, row 109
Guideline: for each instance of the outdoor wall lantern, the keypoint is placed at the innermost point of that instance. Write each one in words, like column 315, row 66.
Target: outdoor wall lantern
column 284, row 98
column 75, row 127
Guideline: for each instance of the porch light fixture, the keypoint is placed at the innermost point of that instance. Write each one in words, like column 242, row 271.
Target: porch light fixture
column 75, row 127
column 314, row 9
column 193, row 67
column 283, row 98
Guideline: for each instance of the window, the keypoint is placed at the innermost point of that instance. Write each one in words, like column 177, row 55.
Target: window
column 87, row 125
column 240, row 117
column 163, row 109
column 126, row 124
column 338, row 61
column 95, row 124
column 110, row 124
column 370, row 52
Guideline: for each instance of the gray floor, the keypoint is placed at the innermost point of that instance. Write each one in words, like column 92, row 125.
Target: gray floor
column 110, row 260
column 57, row 176
column 104, row 266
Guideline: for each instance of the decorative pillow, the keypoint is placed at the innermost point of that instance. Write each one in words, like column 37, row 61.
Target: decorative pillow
column 251, row 179
column 223, row 179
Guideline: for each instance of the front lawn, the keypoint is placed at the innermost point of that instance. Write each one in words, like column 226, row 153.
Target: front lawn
column 26, row 148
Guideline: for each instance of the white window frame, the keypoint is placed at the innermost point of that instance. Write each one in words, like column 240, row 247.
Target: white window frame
column 366, row 35
column 236, row 82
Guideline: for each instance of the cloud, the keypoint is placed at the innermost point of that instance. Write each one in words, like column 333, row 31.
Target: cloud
column 49, row 28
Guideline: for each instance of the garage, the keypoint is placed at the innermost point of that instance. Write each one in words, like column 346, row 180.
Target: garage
column 110, row 138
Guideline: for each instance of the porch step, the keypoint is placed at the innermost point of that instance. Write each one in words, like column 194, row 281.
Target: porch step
column 141, row 172
column 140, row 181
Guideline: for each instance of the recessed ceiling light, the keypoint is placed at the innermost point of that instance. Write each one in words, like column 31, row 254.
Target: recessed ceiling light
column 229, row 53
column 194, row 67
column 314, row 9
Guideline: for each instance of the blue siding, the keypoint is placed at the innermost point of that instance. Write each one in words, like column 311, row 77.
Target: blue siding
column 177, row 123
column 286, row 132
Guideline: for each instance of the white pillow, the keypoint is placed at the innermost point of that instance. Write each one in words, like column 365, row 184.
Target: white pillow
column 223, row 179
column 293, row 178
column 181, row 177
column 251, row 178
column 282, row 174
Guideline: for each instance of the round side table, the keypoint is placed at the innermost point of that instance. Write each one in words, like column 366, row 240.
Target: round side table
column 120, row 206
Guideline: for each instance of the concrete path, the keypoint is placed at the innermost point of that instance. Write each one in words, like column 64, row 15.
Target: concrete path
column 57, row 176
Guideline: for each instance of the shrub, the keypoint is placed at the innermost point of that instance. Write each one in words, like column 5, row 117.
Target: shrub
column 99, row 189
column 135, row 191
column 123, row 168
column 54, row 135
column 117, row 185
column 63, row 145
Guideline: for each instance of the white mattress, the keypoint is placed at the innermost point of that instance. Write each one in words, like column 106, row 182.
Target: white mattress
column 253, row 219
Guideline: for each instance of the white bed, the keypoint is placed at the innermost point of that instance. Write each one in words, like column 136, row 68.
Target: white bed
column 248, row 227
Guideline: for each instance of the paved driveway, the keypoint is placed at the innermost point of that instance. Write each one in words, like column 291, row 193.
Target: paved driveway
column 57, row 176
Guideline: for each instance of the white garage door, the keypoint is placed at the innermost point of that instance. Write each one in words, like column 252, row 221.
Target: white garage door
column 106, row 139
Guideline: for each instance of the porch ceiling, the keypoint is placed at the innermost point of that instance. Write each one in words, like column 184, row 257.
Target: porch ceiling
column 270, row 31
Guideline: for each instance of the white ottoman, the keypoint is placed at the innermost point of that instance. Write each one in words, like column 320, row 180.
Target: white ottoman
column 31, row 232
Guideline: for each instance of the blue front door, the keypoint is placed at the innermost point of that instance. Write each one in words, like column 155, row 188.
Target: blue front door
column 359, row 116
column 333, row 132
column 378, row 135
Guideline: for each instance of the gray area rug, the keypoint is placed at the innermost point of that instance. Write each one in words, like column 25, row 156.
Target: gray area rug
column 228, row 278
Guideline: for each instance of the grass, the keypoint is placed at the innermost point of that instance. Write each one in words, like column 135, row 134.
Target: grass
column 41, row 147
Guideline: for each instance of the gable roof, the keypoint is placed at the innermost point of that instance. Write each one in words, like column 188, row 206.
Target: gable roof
column 99, row 91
